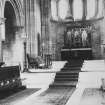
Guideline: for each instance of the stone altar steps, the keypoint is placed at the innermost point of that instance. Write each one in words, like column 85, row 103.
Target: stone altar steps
column 68, row 76
column 64, row 84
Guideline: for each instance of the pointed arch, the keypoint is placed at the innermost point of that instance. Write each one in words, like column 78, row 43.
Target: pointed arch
column 18, row 8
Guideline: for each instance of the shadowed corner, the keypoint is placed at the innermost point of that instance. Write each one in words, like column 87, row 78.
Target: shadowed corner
column 13, row 96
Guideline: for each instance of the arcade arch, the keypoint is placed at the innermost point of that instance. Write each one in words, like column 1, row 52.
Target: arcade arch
column 12, row 43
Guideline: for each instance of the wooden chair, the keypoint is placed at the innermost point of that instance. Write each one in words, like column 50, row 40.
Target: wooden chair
column 35, row 62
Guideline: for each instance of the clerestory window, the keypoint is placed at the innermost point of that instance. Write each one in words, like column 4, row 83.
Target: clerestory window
column 90, row 8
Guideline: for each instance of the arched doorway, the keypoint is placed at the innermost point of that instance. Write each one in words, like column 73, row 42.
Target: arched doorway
column 12, row 45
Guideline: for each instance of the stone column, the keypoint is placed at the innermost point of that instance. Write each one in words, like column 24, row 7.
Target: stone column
column 2, row 36
column 45, row 7
column 84, row 9
column 0, row 50
column 32, row 25
column 45, row 24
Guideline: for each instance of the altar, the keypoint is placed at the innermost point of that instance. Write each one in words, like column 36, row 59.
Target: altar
column 77, row 41
column 77, row 53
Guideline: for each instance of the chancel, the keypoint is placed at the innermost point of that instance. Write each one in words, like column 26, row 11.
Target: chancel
column 52, row 52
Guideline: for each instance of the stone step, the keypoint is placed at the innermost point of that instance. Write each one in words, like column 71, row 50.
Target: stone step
column 68, row 72
column 71, row 68
column 66, row 79
column 65, row 84
column 75, row 61
column 66, row 76
column 75, row 65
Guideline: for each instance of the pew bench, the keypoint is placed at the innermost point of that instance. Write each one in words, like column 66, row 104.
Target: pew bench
column 10, row 78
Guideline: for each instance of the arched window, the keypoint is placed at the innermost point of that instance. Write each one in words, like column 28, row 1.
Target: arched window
column 77, row 9
column 91, row 8
column 54, row 9
column 63, row 7
column 100, row 9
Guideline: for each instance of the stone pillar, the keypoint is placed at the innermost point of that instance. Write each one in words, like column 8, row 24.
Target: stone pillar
column 45, row 7
column 0, row 51
column 0, row 46
column 2, row 36
column 45, row 24
column 32, row 25
column 84, row 9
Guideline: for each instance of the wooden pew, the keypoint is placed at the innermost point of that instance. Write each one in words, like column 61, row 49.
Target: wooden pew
column 10, row 78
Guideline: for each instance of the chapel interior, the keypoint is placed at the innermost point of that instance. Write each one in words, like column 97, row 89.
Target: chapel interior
column 52, row 52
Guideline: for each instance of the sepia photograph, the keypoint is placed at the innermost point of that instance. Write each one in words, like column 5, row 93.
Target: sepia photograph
column 52, row 52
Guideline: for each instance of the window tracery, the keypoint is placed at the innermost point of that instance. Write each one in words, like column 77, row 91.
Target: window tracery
column 78, row 8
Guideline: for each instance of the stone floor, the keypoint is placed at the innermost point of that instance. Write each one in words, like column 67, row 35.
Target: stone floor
column 88, row 87
column 13, row 97
column 93, row 96
column 90, row 77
